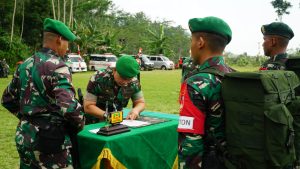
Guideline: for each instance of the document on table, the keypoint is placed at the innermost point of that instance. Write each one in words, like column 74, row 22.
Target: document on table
column 129, row 123
column 135, row 123
column 94, row 130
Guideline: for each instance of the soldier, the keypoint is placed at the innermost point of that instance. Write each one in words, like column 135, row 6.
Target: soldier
column 115, row 86
column 41, row 95
column 187, row 68
column 276, row 39
column 201, row 121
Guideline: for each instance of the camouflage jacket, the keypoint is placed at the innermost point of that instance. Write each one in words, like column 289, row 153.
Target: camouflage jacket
column 42, row 87
column 102, row 88
column 275, row 63
column 204, row 91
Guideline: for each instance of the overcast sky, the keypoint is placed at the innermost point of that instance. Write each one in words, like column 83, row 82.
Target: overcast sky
column 245, row 17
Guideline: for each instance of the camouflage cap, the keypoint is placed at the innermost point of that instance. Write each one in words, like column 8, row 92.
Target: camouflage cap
column 211, row 24
column 57, row 27
column 127, row 66
column 277, row 28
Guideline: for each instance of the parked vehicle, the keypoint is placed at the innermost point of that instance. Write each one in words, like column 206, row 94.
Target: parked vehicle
column 146, row 64
column 76, row 63
column 101, row 61
column 161, row 62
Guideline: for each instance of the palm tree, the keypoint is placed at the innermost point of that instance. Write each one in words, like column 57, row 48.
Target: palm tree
column 158, row 44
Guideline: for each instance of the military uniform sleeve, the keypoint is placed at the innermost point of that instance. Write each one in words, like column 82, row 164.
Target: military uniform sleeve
column 65, row 97
column 11, row 96
column 92, row 89
column 138, row 94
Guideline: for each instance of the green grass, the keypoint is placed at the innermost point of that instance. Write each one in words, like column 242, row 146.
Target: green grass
column 161, row 89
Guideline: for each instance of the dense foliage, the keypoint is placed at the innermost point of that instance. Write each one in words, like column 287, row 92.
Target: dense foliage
column 99, row 25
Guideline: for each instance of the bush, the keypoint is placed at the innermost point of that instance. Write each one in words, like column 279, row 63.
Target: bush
column 14, row 52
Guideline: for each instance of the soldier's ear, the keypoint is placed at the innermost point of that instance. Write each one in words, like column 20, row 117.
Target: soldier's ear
column 201, row 42
column 273, row 41
column 59, row 40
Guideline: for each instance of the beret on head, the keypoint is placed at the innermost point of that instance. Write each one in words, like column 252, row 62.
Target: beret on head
column 211, row 25
column 127, row 66
column 57, row 27
column 277, row 28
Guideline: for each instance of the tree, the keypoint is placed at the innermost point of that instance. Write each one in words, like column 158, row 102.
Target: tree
column 53, row 9
column 23, row 9
column 157, row 43
column 13, row 22
column 281, row 7
column 36, row 11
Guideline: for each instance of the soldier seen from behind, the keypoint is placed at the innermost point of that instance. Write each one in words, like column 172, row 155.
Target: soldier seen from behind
column 201, row 121
column 115, row 86
column 276, row 39
column 42, row 96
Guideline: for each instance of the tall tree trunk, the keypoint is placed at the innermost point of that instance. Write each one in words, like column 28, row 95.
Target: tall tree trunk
column 65, row 11
column 58, row 9
column 22, row 19
column 53, row 9
column 71, row 14
column 13, row 22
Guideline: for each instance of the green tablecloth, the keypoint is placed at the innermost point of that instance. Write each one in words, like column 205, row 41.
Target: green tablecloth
column 149, row 147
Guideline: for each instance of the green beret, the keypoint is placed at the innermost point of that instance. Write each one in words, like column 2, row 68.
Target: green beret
column 127, row 66
column 277, row 28
column 57, row 27
column 211, row 25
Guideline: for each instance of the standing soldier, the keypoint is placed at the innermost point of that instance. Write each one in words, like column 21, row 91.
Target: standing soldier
column 138, row 60
column 276, row 39
column 114, row 86
column 187, row 67
column 201, row 121
column 41, row 95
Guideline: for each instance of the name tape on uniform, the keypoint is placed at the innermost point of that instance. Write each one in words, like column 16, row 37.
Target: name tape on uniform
column 185, row 122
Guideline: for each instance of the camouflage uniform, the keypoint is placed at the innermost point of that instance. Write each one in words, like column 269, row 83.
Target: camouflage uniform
column 200, row 100
column 275, row 63
column 187, row 67
column 41, row 95
column 102, row 87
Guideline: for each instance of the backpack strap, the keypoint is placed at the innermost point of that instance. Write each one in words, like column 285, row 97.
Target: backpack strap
column 210, row 70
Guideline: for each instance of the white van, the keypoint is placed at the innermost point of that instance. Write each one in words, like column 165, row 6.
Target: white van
column 102, row 61
column 77, row 64
column 161, row 62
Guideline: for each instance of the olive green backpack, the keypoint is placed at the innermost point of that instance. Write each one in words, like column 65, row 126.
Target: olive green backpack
column 260, row 109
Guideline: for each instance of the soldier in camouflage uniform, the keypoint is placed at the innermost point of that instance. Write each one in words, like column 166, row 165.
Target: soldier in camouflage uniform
column 201, row 120
column 276, row 40
column 187, row 68
column 115, row 86
column 41, row 95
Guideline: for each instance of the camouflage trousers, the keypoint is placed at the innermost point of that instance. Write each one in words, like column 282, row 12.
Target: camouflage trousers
column 31, row 158
column 190, row 151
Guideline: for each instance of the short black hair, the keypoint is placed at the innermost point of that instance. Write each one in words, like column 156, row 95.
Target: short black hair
column 215, row 42
column 282, row 41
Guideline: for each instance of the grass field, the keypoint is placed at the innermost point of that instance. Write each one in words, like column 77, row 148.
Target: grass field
column 160, row 89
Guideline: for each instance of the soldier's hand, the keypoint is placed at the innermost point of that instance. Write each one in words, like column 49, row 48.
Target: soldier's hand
column 132, row 115
column 106, row 116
